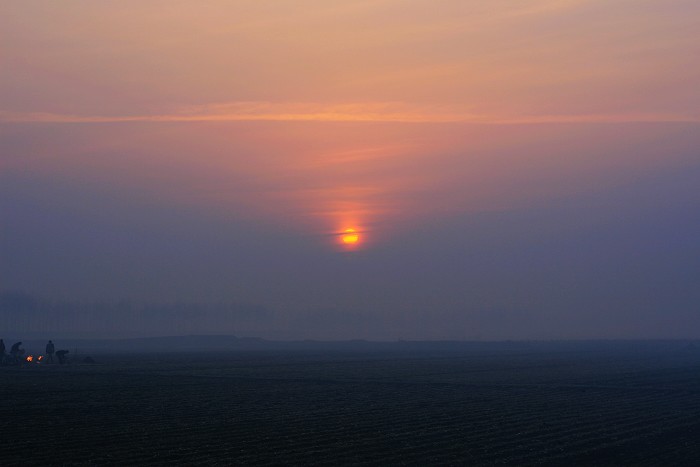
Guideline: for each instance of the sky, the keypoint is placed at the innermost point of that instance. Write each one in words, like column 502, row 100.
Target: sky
column 384, row 169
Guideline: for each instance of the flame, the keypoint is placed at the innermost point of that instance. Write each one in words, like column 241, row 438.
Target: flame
column 40, row 357
column 30, row 358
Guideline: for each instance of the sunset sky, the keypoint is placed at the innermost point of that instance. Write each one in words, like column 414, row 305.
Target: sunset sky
column 509, row 169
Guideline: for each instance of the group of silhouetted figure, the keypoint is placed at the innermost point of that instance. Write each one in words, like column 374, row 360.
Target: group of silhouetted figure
column 16, row 355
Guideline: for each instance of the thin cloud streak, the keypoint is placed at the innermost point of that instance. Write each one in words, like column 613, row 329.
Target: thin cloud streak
column 385, row 112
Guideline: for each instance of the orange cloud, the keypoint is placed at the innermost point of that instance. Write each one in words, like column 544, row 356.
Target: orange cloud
column 356, row 112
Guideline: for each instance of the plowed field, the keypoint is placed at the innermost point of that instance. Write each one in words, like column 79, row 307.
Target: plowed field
column 575, row 408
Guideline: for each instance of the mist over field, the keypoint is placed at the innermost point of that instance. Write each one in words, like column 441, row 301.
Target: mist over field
column 371, row 232
column 377, row 170
column 621, row 263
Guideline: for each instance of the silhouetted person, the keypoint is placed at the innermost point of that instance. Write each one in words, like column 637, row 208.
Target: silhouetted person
column 50, row 349
column 61, row 354
column 2, row 352
column 16, row 352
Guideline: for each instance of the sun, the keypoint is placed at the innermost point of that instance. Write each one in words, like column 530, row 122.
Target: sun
column 350, row 237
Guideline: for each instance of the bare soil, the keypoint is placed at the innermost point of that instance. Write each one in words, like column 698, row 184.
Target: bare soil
column 301, row 408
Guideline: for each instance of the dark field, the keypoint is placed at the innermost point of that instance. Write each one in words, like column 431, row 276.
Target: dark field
column 629, row 404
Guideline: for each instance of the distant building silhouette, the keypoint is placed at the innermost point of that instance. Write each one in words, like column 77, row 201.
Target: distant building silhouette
column 50, row 349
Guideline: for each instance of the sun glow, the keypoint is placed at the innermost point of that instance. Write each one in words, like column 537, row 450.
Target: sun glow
column 350, row 237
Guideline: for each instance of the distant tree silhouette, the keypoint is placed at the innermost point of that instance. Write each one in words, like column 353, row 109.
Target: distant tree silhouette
column 61, row 354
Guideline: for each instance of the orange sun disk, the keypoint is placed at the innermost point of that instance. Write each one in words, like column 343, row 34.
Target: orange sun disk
column 350, row 237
